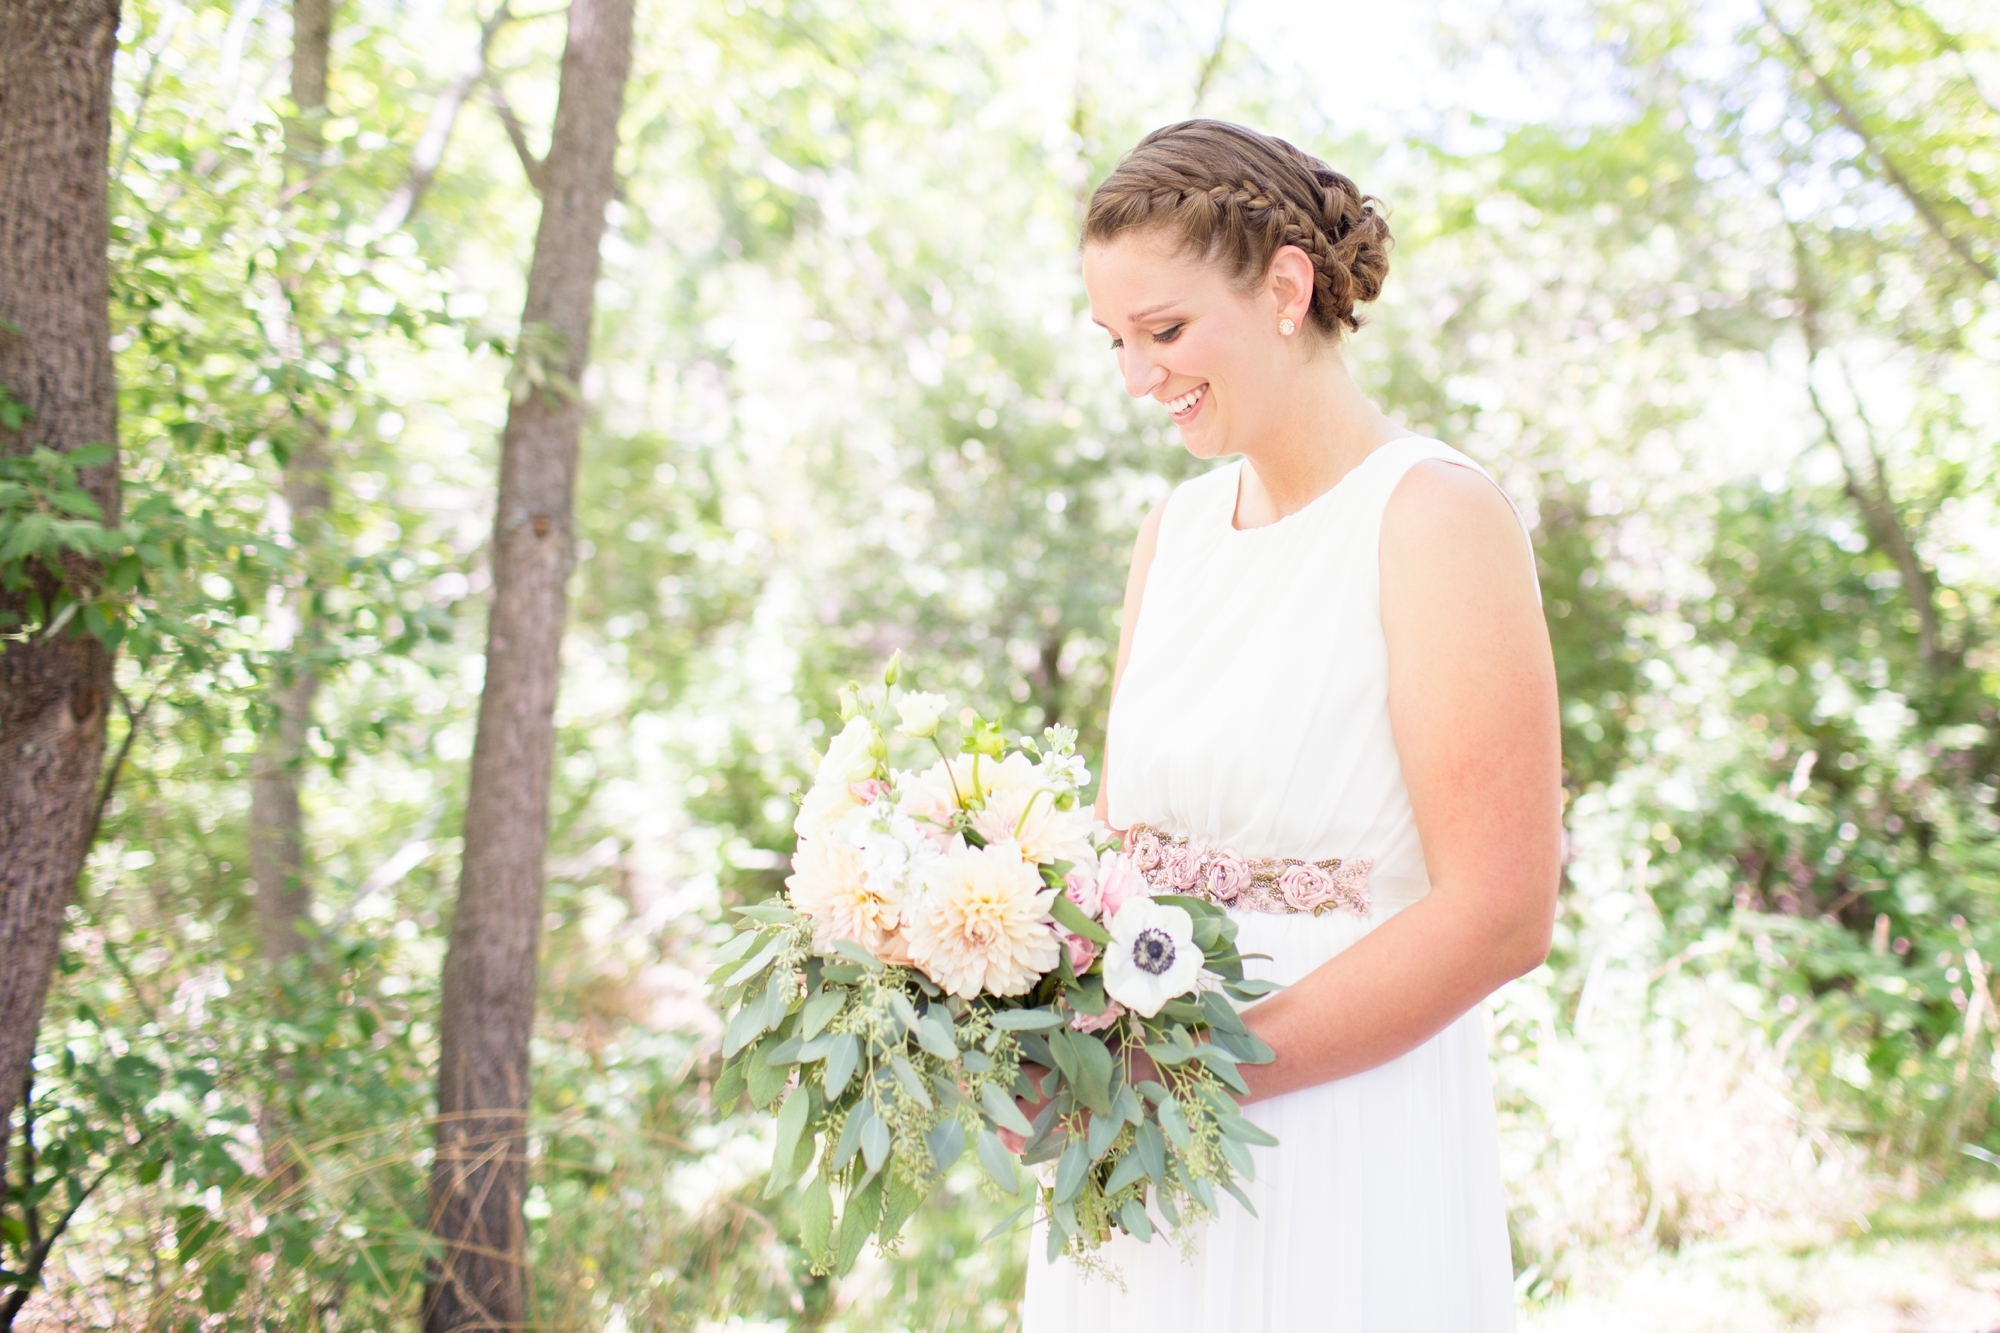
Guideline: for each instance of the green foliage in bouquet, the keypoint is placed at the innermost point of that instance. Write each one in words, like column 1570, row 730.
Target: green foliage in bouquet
column 962, row 937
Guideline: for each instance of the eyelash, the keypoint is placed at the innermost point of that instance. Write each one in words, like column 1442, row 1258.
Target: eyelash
column 1166, row 335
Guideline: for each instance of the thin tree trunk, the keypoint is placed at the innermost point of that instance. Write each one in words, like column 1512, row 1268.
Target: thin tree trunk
column 55, row 358
column 277, row 827
column 480, row 1173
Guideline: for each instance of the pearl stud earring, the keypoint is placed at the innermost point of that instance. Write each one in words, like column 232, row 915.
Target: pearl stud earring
column 1285, row 326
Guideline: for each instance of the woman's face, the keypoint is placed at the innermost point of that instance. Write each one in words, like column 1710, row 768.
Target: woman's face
column 1190, row 340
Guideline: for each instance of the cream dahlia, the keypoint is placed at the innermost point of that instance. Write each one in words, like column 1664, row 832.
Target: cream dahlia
column 981, row 923
column 1021, row 806
column 830, row 884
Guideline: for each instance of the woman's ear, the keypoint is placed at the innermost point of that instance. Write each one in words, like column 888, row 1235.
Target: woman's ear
column 1290, row 282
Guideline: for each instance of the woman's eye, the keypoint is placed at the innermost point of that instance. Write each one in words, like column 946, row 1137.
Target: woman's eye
column 1168, row 334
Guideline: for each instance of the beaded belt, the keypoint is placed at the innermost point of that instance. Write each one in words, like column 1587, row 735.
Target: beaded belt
column 1171, row 864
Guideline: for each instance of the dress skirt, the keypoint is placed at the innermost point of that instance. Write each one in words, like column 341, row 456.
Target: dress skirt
column 1379, row 1211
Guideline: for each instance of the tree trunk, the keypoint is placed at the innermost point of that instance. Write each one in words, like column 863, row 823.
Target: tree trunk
column 480, row 1173
column 277, row 826
column 55, row 359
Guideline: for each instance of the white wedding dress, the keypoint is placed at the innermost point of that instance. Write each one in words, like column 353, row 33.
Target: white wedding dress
column 1253, row 715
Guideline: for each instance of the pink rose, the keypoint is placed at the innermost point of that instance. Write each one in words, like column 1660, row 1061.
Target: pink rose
column 1146, row 849
column 1080, row 887
column 1306, row 887
column 1118, row 882
column 1182, row 867
column 1082, row 953
column 1227, row 877
column 868, row 791
column 1113, row 1011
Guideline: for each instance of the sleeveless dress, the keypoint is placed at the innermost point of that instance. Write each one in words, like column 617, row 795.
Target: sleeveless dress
column 1253, row 715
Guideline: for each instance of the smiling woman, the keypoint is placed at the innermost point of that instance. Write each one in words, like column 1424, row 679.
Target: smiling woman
column 1332, row 661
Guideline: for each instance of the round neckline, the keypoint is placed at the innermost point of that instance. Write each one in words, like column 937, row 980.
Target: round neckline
column 1235, row 491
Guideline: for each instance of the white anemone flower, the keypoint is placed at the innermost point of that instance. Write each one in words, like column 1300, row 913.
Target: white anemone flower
column 981, row 925
column 1152, row 956
column 849, row 759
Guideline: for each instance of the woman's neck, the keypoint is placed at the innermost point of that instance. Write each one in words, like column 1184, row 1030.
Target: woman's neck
column 1325, row 428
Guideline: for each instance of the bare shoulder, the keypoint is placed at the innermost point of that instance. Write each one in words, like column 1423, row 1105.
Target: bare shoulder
column 1447, row 521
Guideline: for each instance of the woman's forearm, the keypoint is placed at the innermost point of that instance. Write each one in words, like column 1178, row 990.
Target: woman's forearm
column 1391, row 991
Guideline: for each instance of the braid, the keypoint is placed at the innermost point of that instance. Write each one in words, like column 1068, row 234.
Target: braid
column 1192, row 179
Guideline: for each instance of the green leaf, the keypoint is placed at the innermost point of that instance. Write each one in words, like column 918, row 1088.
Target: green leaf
column 1241, row 1197
column 1103, row 1133
column 771, row 913
column 1003, row 1109
column 875, row 1142
column 820, row 1011
column 1239, row 1157
column 999, row 1163
column 1071, row 1171
column 913, row 1083
column 855, row 953
column 1025, row 1020
column 1236, row 1127
column 858, row 1219
column 739, row 945
column 1151, row 1147
column 850, row 1133
column 934, row 1034
column 1093, row 1071
column 901, row 1198
column 840, row 1062
column 1174, row 1122
column 222, row 1285
column 728, row 1087
column 947, row 1143
column 791, row 1127
column 1133, row 1217
column 764, row 1081
column 1073, row 920
column 816, row 1219
column 1127, row 1169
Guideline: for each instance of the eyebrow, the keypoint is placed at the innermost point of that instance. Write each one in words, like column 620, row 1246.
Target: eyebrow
column 1149, row 310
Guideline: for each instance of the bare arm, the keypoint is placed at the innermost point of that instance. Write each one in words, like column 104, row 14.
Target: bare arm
column 1135, row 592
column 1472, row 701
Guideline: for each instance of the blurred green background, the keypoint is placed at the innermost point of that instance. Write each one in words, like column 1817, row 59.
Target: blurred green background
column 1711, row 287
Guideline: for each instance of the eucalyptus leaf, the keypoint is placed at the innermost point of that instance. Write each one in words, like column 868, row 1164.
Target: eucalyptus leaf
column 1025, row 1020
column 841, row 1059
column 1133, row 1217
column 999, row 1163
column 820, row 1011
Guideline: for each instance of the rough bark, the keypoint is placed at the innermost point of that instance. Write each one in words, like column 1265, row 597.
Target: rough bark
column 277, row 825
column 480, row 1174
column 55, row 358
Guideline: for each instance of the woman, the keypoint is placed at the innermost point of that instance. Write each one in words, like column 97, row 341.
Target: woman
column 1332, row 649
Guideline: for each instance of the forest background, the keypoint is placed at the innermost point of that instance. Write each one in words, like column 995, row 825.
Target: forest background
column 1711, row 287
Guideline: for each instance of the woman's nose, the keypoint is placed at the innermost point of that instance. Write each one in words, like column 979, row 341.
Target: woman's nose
column 1141, row 375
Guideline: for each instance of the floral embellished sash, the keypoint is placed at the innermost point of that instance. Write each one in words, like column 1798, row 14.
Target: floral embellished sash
column 1173, row 864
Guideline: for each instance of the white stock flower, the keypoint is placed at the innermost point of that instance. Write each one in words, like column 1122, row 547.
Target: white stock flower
column 980, row 924
column 830, row 884
column 1152, row 957
column 920, row 713
column 1021, row 807
column 849, row 759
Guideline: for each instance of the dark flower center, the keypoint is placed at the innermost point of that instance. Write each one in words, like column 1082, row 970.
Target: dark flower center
column 1153, row 951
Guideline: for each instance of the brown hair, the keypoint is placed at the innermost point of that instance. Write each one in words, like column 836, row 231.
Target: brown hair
column 1235, row 197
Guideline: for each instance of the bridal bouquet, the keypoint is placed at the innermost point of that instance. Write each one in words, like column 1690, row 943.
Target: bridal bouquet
column 957, row 936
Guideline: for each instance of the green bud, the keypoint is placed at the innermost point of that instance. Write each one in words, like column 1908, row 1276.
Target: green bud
column 894, row 671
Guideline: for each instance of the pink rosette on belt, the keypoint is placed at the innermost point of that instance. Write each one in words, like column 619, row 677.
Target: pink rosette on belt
column 1181, row 866
column 1145, row 850
column 1307, row 888
column 1228, row 876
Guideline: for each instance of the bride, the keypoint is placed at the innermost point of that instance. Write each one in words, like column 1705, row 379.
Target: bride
column 1331, row 648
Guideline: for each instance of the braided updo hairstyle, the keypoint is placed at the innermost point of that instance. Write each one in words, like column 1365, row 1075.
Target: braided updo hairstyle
column 1235, row 197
